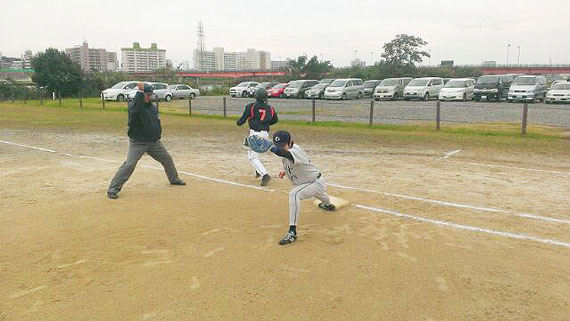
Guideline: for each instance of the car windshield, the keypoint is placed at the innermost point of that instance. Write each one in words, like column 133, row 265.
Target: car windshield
column 119, row 85
column 456, row 84
column 419, row 82
column 525, row 81
column 370, row 84
column 488, row 80
column 326, row 81
column 389, row 82
column 319, row 86
column 296, row 84
column 263, row 85
column 338, row 83
column 279, row 86
column 242, row 84
column 561, row 86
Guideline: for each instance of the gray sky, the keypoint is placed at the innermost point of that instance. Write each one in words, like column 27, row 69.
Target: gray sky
column 468, row 32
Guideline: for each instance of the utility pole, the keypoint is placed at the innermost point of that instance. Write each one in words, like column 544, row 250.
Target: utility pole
column 519, row 56
column 508, row 48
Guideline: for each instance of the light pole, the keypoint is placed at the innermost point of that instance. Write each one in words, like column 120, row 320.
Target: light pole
column 371, row 58
column 508, row 48
column 519, row 56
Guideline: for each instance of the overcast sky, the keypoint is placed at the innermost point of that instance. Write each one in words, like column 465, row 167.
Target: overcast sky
column 466, row 31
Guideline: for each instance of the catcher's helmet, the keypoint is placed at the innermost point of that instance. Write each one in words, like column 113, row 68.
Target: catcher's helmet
column 261, row 94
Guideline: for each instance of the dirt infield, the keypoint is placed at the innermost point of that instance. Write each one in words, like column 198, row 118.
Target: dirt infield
column 208, row 251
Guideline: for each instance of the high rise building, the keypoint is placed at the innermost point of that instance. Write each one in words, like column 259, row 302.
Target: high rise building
column 93, row 59
column 138, row 59
column 27, row 59
column 219, row 60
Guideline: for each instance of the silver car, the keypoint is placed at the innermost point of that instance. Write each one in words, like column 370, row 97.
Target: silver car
column 317, row 91
column 345, row 89
column 183, row 92
column 391, row 88
column 369, row 87
column 528, row 88
column 162, row 91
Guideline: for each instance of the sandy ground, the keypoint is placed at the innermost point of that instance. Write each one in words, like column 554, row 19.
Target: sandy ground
column 208, row 251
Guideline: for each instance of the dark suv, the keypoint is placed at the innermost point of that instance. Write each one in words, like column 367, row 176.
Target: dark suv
column 492, row 87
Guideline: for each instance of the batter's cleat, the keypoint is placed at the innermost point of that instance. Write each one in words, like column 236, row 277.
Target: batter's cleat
column 329, row 207
column 112, row 195
column 257, row 175
column 289, row 238
column 265, row 180
column 178, row 181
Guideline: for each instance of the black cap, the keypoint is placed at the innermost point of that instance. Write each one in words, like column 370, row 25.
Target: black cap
column 261, row 94
column 149, row 89
column 281, row 138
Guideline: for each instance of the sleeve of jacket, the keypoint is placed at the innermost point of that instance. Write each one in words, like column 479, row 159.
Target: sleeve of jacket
column 245, row 115
column 274, row 118
column 137, row 103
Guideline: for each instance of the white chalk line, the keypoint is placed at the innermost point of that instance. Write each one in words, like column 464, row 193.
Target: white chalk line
column 510, row 167
column 457, row 205
column 448, row 155
column 418, row 218
column 466, row 227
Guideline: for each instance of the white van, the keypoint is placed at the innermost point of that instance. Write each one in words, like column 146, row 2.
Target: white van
column 345, row 89
column 241, row 90
column 119, row 91
column 458, row 89
column 423, row 88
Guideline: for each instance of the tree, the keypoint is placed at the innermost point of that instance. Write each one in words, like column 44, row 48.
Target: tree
column 54, row 70
column 404, row 51
column 308, row 68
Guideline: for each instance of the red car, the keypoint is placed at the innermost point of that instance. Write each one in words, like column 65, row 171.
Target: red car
column 277, row 90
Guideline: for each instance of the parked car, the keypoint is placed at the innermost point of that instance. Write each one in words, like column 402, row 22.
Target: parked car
column 492, row 87
column 162, row 91
column 241, row 89
column 129, row 95
column 424, row 88
column 458, row 89
column 528, row 88
column 180, row 91
column 119, row 91
column 369, row 87
column 391, row 88
column 251, row 91
column 559, row 92
column 326, row 81
column 317, row 91
column 345, row 89
column 297, row 89
column 278, row 90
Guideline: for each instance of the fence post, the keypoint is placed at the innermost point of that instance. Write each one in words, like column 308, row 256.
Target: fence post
column 224, row 107
column 524, row 119
column 80, row 100
column 371, row 122
column 41, row 97
column 190, row 105
column 313, row 110
column 103, row 100
column 438, row 116
column 59, row 98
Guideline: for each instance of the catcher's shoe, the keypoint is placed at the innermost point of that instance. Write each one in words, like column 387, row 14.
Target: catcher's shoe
column 178, row 181
column 289, row 238
column 257, row 175
column 112, row 195
column 265, row 180
column 329, row 207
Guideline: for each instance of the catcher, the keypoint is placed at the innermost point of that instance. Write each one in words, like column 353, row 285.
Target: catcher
column 304, row 175
column 259, row 116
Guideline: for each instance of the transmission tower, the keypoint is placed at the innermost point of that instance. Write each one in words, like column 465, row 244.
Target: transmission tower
column 200, row 44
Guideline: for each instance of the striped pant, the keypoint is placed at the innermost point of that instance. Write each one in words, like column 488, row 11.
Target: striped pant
column 316, row 189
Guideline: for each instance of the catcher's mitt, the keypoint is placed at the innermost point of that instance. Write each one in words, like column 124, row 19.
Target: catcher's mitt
column 258, row 144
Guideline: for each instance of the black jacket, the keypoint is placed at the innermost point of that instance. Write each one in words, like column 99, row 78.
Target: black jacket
column 259, row 115
column 144, row 123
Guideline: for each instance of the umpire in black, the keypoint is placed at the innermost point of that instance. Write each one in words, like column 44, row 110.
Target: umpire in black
column 144, row 137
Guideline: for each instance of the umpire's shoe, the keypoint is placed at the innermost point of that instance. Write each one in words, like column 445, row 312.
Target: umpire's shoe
column 265, row 180
column 289, row 238
column 178, row 181
column 112, row 195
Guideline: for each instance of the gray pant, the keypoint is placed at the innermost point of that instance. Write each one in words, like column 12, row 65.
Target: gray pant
column 136, row 150
column 316, row 189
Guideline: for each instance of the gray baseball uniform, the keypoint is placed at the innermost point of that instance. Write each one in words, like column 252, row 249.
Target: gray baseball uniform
column 308, row 180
